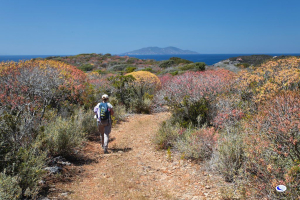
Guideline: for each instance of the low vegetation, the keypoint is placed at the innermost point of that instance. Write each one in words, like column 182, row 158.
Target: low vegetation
column 123, row 64
column 252, row 60
column 246, row 124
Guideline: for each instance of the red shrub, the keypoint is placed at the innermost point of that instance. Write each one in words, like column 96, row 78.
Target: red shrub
column 28, row 88
column 226, row 111
column 195, row 85
column 272, row 146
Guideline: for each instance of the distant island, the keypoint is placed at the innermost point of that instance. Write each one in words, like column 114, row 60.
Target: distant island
column 160, row 51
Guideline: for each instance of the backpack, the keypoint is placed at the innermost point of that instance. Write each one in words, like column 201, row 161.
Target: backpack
column 104, row 113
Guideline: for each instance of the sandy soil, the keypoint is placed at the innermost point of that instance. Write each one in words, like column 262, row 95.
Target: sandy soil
column 134, row 169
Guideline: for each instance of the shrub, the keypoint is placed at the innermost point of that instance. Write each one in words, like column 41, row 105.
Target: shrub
column 119, row 112
column 130, row 69
column 86, row 121
column 100, row 72
column 180, row 60
column 107, row 55
column 166, row 63
column 189, row 94
column 226, row 111
column 187, row 67
column 141, row 91
column 229, row 155
column 197, row 144
column 118, row 67
column 30, row 89
column 99, row 84
column 27, row 92
column 24, row 168
column 9, row 187
column 266, row 81
column 174, row 73
column 63, row 135
column 196, row 85
column 86, row 67
column 244, row 65
column 165, row 79
column 253, row 59
column 131, row 60
column 141, row 105
column 148, row 69
column 166, row 135
column 189, row 112
column 198, row 66
column 272, row 147
column 146, row 77
column 122, row 88
column 32, row 94
column 29, row 166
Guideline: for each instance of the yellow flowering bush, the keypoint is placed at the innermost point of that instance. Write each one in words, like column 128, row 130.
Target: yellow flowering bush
column 272, row 77
column 145, row 76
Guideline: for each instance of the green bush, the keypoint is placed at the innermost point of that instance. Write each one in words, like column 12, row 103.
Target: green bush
column 166, row 63
column 120, row 67
column 253, row 59
column 187, row 67
column 188, row 112
column 9, row 187
column 166, row 135
column 131, row 60
column 244, row 65
column 107, row 55
column 122, row 86
column 198, row 66
column 119, row 112
column 86, row 121
column 102, row 72
column 197, row 143
column 130, row 69
column 180, row 60
column 24, row 169
column 134, row 95
column 63, row 135
column 149, row 69
column 141, row 105
column 174, row 73
column 230, row 154
column 29, row 168
column 86, row 67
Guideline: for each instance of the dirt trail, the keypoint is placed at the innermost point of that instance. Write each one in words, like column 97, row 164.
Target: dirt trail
column 134, row 169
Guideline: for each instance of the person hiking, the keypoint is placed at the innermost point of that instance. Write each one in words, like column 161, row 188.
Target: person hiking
column 104, row 111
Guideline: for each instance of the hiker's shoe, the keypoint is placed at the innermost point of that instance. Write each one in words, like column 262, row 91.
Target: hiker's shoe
column 105, row 151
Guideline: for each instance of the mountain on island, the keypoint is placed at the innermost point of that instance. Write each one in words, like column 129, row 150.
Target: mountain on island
column 160, row 51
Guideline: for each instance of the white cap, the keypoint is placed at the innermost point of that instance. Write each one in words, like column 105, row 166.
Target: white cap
column 105, row 96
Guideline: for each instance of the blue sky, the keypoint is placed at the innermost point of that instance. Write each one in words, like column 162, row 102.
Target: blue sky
column 52, row 27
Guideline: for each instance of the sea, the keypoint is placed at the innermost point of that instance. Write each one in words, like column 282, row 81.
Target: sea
column 208, row 59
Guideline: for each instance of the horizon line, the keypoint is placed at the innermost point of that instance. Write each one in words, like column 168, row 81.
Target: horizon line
column 137, row 54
